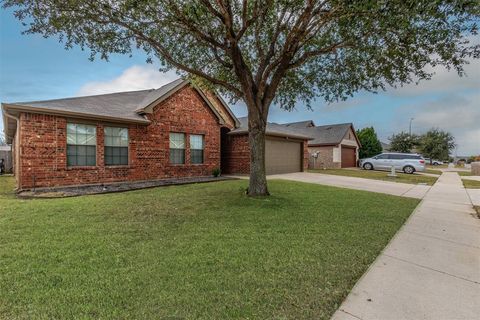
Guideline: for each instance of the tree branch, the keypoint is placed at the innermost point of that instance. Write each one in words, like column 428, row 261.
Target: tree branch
column 310, row 54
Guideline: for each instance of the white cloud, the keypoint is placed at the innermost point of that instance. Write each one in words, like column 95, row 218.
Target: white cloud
column 443, row 81
column 458, row 113
column 133, row 78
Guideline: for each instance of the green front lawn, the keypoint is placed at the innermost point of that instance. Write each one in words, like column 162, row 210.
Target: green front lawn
column 464, row 173
column 379, row 175
column 200, row 251
column 431, row 166
column 433, row 171
column 471, row 184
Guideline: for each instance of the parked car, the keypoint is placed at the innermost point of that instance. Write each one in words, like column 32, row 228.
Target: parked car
column 434, row 162
column 406, row 162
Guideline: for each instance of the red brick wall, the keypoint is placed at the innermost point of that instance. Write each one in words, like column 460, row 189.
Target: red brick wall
column 236, row 157
column 43, row 146
column 236, row 154
column 324, row 159
column 306, row 155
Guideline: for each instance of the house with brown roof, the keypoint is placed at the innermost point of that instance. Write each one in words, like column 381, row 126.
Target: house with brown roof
column 331, row 146
column 175, row 131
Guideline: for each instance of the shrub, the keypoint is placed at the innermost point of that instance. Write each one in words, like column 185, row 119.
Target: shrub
column 216, row 172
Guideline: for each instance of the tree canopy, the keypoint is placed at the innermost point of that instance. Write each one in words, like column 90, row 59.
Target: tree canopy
column 293, row 50
column 371, row 146
column 437, row 144
column 270, row 51
column 403, row 142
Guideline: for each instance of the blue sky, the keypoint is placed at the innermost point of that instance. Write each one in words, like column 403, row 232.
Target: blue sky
column 35, row 68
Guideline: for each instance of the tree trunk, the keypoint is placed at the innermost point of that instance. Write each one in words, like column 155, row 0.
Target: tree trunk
column 256, row 140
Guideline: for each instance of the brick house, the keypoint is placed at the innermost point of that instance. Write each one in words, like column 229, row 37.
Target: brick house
column 285, row 149
column 333, row 146
column 175, row 131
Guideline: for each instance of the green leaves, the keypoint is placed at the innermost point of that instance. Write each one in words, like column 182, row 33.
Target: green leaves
column 371, row 146
column 437, row 144
column 403, row 142
column 267, row 51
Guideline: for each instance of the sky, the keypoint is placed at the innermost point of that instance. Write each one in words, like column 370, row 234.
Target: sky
column 35, row 68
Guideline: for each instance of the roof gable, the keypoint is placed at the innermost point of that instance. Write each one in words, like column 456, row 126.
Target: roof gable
column 331, row 134
column 273, row 129
column 301, row 124
column 161, row 94
column 354, row 134
column 123, row 107
column 119, row 107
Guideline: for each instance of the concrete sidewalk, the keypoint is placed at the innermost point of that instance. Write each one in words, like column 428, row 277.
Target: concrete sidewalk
column 430, row 269
column 393, row 188
column 474, row 196
column 475, row 178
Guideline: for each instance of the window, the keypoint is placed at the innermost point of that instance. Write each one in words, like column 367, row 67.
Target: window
column 382, row 156
column 116, row 146
column 177, row 148
column 196, row 148
column 412, row 156
column 81, row 144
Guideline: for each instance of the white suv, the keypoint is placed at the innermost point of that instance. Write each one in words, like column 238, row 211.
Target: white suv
column 406, row 162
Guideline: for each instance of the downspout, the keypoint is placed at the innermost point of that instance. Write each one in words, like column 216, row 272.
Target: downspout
column 17, row 145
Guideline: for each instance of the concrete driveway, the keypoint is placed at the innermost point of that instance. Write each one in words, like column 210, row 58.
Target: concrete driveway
column 393, row 188
column 430, row 269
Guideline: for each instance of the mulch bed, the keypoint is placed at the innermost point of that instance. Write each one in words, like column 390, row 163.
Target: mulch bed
column 73, row 191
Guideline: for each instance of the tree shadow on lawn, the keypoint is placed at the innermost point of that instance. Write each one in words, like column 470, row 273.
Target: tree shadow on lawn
column 202, row 251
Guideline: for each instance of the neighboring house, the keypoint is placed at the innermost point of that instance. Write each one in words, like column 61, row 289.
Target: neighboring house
column 171, row 132
column 385, row 146
column 6, row 155
column 285, row 149
column 332, row 146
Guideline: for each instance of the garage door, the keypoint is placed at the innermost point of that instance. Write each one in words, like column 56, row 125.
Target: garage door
column 349, row 158
column 283, row 156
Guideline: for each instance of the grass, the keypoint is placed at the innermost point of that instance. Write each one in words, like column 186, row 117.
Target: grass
column 464, row 173
column 379, row 175
column 431, row 166
column 200, row 251
column 471, row 184
column 433, row 171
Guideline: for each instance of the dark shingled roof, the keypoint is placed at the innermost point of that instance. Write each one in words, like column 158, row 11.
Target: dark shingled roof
column 154, row 95
column 332, row 134
column 273, row 129
column 116, row 107
column 301, row 124
column 121, row 105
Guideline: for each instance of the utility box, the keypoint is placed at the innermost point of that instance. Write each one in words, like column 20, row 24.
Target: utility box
column 475, row 168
